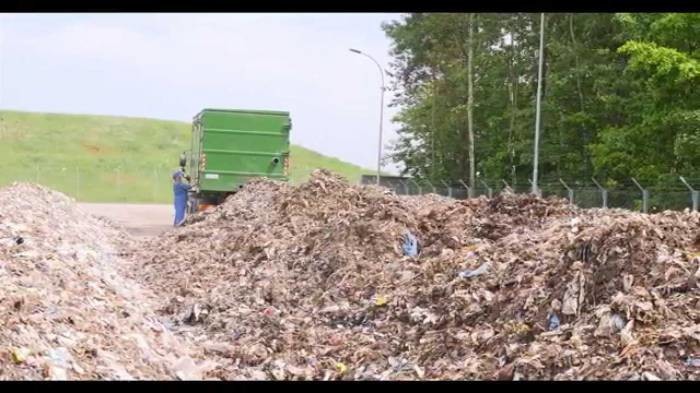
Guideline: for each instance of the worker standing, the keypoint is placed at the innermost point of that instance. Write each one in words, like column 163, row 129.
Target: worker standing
column 180, row 190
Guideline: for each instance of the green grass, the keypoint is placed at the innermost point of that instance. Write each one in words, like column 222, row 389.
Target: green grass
column 114, row 159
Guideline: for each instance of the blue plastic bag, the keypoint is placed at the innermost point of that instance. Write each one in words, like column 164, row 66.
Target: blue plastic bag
column 553, row 322
column 410, row 245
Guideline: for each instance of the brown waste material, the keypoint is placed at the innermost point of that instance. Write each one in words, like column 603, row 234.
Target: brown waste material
column 66, row 311
column 309, row 282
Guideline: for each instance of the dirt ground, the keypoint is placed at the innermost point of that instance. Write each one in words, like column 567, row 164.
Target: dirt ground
column 139, row 219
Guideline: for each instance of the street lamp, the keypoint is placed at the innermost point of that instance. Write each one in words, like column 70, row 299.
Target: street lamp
column 381, row 111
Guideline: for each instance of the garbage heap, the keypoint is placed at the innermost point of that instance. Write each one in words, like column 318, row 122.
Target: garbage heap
column 313, row 282
column 66, row 312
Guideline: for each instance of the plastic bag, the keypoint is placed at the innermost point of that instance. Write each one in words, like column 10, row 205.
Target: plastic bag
column 553, row 322
column 410, row 245
column 476, row 272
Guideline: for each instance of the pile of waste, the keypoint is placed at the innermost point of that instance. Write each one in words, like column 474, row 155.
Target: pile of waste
column 328, row 280
column 66, row 311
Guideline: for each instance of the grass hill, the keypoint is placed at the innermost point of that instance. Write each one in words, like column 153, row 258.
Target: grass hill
column 113, row 159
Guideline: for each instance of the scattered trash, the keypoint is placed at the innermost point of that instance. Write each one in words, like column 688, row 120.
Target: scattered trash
column 65, row 297
column 57, row 373
column 60, row 357
column 647, row 376
column 187, row 370
column 410, row 245
column 419, row 371
column 552, row 322
column 19, row 355
column 10, row 241
column 283, row 278
column 517, row 327
column 341, row 367
column 618, row 322
column 195, row 314
column 476, row 272
column 380, row 301
column 626, row 335
column 319, row 250
column 693, row 361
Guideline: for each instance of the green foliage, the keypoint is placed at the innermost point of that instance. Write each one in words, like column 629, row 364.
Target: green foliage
column 664, row 65
column 620, row 96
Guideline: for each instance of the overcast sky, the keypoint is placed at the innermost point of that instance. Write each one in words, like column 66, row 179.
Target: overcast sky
column 169, row 66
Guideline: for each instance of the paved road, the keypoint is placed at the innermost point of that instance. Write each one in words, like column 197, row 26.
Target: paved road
column 139, row 219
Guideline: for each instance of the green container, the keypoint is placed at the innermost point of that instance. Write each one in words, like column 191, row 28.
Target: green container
column 230, row 147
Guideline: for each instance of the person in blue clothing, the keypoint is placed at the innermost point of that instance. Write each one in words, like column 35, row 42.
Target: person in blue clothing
column 180, row 190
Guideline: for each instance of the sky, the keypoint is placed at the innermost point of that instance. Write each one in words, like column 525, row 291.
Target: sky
column 170, row 66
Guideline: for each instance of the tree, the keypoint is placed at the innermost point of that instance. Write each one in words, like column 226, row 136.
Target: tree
column 618, row 96
column 662, row 119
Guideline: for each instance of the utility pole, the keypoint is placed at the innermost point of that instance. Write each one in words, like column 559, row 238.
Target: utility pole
column 381, row 110
column 535, row 163
column 470, row 102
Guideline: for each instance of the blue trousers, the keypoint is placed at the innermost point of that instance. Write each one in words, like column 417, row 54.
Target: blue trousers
column 180, row 207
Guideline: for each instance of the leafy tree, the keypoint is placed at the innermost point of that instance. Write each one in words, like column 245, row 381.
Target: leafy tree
column 620, row 96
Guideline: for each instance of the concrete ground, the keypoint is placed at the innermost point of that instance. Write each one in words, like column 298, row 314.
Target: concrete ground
column 140, row 220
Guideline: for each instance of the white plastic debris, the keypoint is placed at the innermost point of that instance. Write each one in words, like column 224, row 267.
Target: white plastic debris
column 476, row 272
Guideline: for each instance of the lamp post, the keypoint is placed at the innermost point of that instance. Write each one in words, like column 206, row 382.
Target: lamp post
column 381, row 111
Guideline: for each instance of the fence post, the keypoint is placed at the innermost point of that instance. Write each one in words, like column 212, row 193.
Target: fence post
column 538, row 191
column 645, row 195
column 694, row 194
column 569, row 191
column 431, row 186
column 420, row 190
column 449, row 189
column 505, row 183
column 466, row 187
column 489, row 190
column 404, row 183
column 603, row 193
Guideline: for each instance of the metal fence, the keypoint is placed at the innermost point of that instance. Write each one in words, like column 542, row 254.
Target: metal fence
column 631, row 195
column 153, row 185
column 99, row 184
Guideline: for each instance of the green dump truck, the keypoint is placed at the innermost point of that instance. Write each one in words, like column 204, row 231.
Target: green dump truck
column 231, row 146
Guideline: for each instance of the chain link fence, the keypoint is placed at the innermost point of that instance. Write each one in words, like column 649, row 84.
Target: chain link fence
column 630, row 195
column 94, row 184
column 153, row 185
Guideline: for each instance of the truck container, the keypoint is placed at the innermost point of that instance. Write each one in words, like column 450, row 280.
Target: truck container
column 230, row 147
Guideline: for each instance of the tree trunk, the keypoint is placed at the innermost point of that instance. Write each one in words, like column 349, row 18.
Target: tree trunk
column 586, row 136
column 575, row 50
column 514, row 105
column 470, row 103
column 433, row 164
